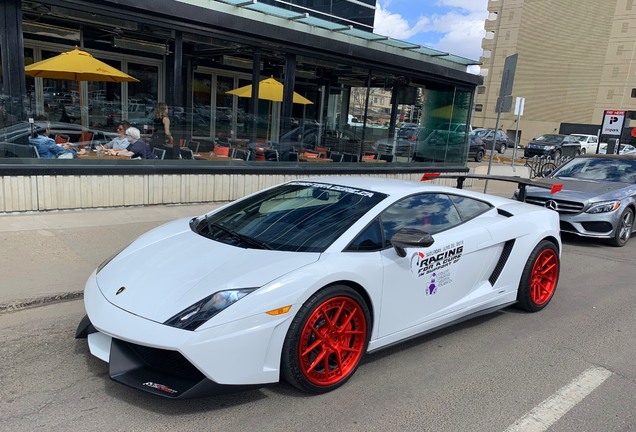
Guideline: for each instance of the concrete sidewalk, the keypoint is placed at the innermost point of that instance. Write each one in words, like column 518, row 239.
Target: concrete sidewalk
column 47, row 257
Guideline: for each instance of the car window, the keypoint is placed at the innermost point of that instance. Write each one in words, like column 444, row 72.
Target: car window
column 429, row 212
column 469, row 208
column 548, row 138
column 610, row 170
column 297, row 217
column 370, row 239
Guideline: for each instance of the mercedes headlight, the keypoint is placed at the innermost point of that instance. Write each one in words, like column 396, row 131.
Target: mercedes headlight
column 200, row 312
column 603, row 207
column 550, row 148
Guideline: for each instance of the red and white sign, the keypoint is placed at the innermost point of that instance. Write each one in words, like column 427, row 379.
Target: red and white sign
column 613, row 122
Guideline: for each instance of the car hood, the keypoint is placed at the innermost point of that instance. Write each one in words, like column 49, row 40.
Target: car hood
column 583, row 190
column 543, row 143
column 171, row 268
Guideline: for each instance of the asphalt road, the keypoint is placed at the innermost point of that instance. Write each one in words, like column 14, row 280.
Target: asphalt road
column 483, row 375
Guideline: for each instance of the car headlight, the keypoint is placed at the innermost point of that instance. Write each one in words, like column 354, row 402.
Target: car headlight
column 200, row 312
column 549, row 148
column 603, row 207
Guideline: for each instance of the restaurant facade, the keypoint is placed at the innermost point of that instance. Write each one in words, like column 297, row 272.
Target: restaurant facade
column 359, row 88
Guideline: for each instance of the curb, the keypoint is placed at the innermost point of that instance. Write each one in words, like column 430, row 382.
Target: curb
column 40, row 301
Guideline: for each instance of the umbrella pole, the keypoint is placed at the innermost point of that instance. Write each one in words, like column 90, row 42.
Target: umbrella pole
column 81, row 105
column 269, row 110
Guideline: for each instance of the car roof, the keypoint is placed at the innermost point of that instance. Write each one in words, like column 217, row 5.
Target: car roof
column 608, row 156
column 383, row 185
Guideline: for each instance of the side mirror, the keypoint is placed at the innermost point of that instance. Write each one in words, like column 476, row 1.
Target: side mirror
column 410, row 237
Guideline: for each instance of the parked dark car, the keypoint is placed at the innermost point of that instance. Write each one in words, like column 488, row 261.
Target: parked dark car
column 553, row 146
column 477, row 148
column 598, row 198
column 406, row 139
column 502, row 140
column 440, row 145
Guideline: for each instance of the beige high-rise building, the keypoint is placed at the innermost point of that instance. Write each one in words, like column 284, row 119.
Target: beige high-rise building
column 576, row 58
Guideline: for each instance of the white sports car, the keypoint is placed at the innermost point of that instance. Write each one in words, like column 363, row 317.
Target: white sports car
column 299, row 281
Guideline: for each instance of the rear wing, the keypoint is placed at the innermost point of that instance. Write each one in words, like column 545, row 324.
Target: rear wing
column 521, row 182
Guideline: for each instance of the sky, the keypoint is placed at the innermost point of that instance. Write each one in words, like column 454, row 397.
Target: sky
column 453, row 26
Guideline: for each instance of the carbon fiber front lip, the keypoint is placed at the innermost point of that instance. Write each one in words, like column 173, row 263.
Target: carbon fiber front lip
column 126, row 367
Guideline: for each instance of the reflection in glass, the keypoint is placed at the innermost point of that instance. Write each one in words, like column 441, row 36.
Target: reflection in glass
column 142, row 95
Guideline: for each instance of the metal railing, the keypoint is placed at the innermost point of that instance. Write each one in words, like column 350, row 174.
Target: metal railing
column 540, row 166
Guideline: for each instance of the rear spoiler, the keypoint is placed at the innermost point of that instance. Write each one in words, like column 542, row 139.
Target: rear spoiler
column 521, row 182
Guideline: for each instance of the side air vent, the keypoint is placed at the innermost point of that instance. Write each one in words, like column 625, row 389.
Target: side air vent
column 504, row 213
column 505, row 254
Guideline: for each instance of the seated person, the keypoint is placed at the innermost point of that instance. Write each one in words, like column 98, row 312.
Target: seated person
column 120, row 142
column 137, row 149
column 47, row 147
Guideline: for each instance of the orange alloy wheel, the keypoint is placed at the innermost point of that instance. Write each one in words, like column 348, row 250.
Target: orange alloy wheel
column 544, row 276
column 332, row 341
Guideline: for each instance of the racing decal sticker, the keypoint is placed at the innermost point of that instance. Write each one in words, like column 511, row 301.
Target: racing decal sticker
column 337, row 188
column 160, row 387
column 436, row 266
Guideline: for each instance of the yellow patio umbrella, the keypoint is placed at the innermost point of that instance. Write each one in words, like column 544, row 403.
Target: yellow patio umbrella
column 77, row 65
column 271, row 90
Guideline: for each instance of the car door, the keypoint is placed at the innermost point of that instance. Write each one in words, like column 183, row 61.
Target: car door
column 430, row 282
column 570, row 146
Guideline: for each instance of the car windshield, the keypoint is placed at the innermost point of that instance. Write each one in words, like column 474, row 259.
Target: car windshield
column 549, row 138
column 406, row 132
column 295, row 217
column 599, row 169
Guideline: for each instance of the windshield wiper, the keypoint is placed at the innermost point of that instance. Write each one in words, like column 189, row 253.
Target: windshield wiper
column 238, row 236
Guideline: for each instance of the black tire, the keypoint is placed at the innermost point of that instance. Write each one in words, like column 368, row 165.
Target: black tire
column 309, row 328
column 539, row 277
column 583, row 151
column 502, row 148
column 624, row 229
column 479, row 156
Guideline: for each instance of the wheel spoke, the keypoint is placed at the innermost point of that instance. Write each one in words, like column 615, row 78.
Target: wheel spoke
column 324, row 312
column 317, row 360
column 342, row 327
column 312, row 347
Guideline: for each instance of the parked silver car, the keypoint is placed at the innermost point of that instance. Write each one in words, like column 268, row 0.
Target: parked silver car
column 598, row 198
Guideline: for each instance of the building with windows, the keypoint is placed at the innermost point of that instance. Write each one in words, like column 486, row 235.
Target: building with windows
column 576, row 59
column 194, row 54
column 358, row 13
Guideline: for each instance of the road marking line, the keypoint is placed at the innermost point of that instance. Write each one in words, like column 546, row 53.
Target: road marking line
column 556, row 406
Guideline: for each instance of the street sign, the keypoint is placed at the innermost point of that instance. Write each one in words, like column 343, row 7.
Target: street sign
column 504, row 100
column 613, row 122
column 519, row 104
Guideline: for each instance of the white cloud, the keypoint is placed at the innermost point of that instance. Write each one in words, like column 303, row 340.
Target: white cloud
column 395, row 26
column 469, row 5
column 462, row 34
column 459, row 31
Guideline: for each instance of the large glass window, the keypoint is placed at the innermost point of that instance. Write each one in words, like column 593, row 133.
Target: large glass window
column 142, row 95
column 445, row 138
column 104, row 100
column 201, row 103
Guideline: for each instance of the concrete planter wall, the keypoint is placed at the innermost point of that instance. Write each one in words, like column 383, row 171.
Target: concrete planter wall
column 27, row 193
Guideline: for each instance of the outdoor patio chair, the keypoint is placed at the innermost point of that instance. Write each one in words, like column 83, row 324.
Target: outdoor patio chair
column 186, row 153
column 160, row 153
